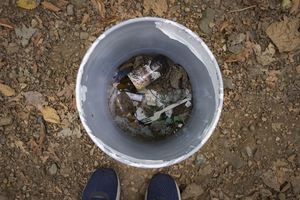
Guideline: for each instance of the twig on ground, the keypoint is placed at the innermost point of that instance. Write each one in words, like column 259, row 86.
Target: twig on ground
column 242, row 9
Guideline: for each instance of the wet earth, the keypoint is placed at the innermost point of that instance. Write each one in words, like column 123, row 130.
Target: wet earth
column 252, row 154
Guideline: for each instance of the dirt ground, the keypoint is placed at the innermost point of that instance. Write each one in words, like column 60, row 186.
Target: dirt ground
column 254, row 151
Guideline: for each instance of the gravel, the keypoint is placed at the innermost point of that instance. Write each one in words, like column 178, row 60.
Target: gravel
column 53, row 169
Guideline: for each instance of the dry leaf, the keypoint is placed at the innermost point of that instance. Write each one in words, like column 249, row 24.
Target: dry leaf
column 138, row 14
column 285, row 34
column 295, row 6
column 271, row 80
column 298, row 69
column 53, row 154
column 37, row 151
column 224, row 25
column 50, row 115
column 40, row 22
column 42, row 134
column 34, row 68
column 99, row 5
column 45, row 157
column 240, row 57
column 65, row 123
column 68, row 90
column 6, row 90
column 284, row 3
column 109, row 20
column 266, row 57
column 85, row 19
column 158, row 6
column 120, row 2
column 17, row 98
column 211, row 25
column 6, row 23
column 28, row 4
column 114, row 8
column 50, row 6
column 34, row 98
column 62, row 3
column 270, row 179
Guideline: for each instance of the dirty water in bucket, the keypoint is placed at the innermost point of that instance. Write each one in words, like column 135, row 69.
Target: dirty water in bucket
column 150, row 97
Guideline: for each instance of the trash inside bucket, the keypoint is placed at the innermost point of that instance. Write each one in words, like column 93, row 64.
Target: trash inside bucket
column 148, row 36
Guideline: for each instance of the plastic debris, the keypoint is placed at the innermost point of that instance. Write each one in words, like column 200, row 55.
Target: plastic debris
column 150, row 97
column 140, row 114
column 188, row 104
column 135, row 97
column 169, row 120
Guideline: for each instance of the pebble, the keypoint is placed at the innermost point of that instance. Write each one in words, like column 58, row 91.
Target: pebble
column 208, row 17
column 96, row 163
column 12, row 48
column 3, row 140
column 76, row 34
column 264, row 119
column 235, row 160
column 249, row 151
column 186, row 1
column 281, row 196
column 77, row 27
column 258, row 142
column 244, row 129
column 34, row 23
column 70, row 9
column 191, row 191
column 92, row 38
column 258, row 172
column 228, row 83
column 200, row 159
column 84, row 35
column 187, row 9
column 252, row 128
column 66, row 191
column 61, row 32
column 257, row 156
column 6, row 120
column 53, row 169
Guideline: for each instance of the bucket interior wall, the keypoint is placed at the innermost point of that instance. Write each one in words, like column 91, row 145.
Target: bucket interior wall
column 118, row 45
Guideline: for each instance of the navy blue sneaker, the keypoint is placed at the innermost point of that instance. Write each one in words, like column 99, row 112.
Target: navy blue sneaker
column 162, row 187
column 103, row 185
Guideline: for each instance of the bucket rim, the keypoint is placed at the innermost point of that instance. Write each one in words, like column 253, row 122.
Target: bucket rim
column 119, row 156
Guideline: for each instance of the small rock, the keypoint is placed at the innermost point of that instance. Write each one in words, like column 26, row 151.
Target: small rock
column 96, row 163
column 257, row 172
column 6, row 120
column 296, row 188
column 257, row 156
column 78, row 3
column 207, row 170
column 186, row 1
column 70, row 9
column 174, row 9
column 3, row 140
column 208, row 17
column 66, row 191
column 200, row 159
column 59, row 24
column 258, row 142
column 252, row 128
column 264, row 119
column 235, row 42
column 234, row 160
column 281, row 196
column 25, row 33
column 265, row 192
column 228, row 83
column 187, row 9
column 34, row 23
column 76, row 34
column 270, row 179
column 61, row 32
column 12, row 48
column 92, row 38
column 53, row 169
column 191, row 191
column 249, row 151
column 135, row 125
column 77, row 27
column 84, row 35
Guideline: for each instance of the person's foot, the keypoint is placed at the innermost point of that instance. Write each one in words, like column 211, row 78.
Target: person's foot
column 103, row 185
column 161, row 187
